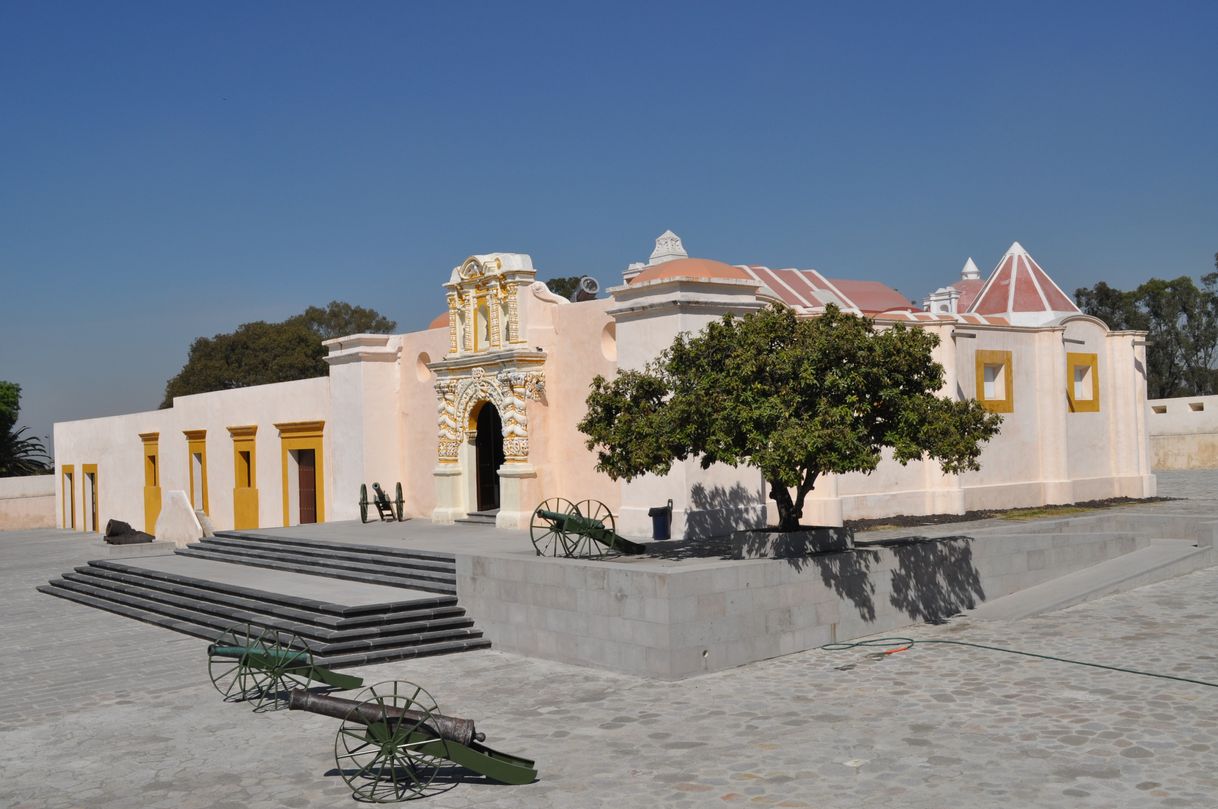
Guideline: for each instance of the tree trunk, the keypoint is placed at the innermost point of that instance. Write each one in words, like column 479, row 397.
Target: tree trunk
column 789, row 511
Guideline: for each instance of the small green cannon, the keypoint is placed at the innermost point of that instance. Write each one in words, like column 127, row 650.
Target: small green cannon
column 389, row 510
column 394, row 742
column 253, row 664
column 585, row 529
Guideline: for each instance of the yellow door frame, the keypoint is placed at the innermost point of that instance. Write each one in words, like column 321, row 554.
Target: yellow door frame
column 152, row 480
column 298, row 435
column 68, row 491
column 196, row 443
column 245, row 498
column 85, row 470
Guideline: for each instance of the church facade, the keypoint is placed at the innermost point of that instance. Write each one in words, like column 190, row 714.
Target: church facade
column 479, row 412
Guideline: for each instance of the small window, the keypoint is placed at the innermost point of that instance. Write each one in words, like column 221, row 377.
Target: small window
column 1083, row 382
column 1158, row 408
column 1196, row 407
column 994, row 389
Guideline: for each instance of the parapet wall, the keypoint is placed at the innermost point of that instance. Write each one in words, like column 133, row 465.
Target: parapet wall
column 27, row 502
column 1183, row 432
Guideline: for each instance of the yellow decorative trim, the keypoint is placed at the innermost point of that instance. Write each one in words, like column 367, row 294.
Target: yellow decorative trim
column 245, row 497
column 152, row 480
column 298, row 435
column 1005, row 403
column 1091, row 362
column 68, row 506
column 196, row 444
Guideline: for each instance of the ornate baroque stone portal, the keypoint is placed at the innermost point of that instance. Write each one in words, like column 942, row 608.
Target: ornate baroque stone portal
column 487, row 361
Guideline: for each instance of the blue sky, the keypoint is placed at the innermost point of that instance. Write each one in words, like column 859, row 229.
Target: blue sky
column 170, row 170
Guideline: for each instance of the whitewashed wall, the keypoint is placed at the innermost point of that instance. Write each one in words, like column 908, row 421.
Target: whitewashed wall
column 27, row 502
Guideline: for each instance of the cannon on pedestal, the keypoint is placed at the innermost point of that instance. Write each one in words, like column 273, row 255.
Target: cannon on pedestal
column 394, row 742
column 253, row 664
column 585, row 529
column 389, row 510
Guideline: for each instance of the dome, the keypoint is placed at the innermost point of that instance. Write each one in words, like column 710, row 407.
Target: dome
column 441, row 321
column 691, row 268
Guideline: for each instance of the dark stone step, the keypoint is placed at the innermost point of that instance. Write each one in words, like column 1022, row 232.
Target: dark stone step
column 337, row 610
column 333, row 552
column 210, row 633
column 101, row 586
column 411, row 582
column 425, row 610
column 405, row 653
column 202, row 619
column 379, row 551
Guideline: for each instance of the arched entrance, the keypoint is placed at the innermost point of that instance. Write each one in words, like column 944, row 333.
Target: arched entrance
column 488, row 445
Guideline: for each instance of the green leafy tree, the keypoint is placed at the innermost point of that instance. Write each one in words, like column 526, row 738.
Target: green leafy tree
column 19, row 454
column 259, row 353
column 565, row 286
column 1182, row 324
column 795, row 398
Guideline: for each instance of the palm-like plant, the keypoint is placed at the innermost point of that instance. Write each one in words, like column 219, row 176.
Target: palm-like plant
column 22, row 454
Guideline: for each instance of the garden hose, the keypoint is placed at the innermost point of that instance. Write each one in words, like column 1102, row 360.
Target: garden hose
column 888, row 646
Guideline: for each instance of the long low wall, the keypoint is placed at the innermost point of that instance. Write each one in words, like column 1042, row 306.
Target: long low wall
column 674, row 620
column 27, row 502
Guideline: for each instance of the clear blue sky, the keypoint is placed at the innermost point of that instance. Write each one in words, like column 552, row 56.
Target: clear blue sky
column 170, row 170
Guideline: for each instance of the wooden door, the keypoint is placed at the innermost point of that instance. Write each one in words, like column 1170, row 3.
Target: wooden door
column 306, row 466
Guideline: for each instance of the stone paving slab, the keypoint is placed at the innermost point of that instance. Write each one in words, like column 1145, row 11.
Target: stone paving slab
column 97, row 711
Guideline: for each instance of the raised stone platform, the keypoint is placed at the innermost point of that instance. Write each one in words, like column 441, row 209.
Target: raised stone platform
column 695, row 606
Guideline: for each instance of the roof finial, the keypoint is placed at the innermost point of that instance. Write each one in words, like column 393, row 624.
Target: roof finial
column 970, row 271
column 668, row 247
column 1016, row 249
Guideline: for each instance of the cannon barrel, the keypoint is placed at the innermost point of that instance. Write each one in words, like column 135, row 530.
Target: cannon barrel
column 235, row 652
column 451, row 728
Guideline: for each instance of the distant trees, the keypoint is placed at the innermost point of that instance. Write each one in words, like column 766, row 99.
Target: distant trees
column 259, row 353
column 1182, row 321
column 19, row 454
column 565, row 286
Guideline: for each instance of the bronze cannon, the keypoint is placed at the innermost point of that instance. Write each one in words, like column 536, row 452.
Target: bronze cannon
column 394, row 741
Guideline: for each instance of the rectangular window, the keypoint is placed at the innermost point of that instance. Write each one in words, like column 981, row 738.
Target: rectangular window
column 994, row 390
column 1083, row 382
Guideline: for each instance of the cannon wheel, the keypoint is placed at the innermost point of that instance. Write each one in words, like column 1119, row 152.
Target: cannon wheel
column 267, row 686
column 391, row 760
column 399, row 502
column 588, row 547
column 548, row 538
column 363, row 502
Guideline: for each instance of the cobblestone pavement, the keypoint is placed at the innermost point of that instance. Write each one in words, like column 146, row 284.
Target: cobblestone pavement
column 100, row 711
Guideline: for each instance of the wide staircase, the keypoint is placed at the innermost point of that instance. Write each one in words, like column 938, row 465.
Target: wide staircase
column 174, row 594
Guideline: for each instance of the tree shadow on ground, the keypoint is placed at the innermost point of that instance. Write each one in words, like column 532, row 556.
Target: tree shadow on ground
column 934, row 579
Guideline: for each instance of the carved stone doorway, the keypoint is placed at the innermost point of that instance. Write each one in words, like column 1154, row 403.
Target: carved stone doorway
column 488, row 445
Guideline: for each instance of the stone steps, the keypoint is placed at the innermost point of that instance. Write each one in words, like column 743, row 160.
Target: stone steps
column 382, row 627
column 431, row 572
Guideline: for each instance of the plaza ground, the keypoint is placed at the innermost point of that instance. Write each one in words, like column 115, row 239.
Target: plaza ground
column 99, row 711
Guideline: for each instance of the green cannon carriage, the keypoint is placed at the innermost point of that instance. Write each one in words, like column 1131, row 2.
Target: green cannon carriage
column 394, row 744
column 254, row 664
column 585, row 529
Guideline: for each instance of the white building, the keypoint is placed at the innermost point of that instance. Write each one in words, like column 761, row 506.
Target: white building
column 479, row 411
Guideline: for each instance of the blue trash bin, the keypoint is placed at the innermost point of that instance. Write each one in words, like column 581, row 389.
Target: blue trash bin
column 661, row 521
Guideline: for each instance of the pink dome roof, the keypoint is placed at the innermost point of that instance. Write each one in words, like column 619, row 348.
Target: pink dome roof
column 441, row 321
